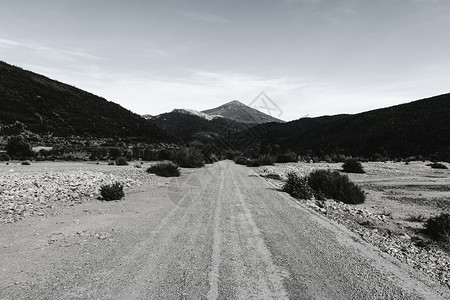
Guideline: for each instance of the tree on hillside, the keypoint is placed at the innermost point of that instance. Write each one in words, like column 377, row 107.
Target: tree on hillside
column 18, row 146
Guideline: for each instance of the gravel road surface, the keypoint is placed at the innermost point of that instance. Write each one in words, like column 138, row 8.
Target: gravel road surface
column 219, row 232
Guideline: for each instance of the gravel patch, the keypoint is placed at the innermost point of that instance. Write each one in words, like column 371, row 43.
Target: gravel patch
column 23, row 194
column 374, row 228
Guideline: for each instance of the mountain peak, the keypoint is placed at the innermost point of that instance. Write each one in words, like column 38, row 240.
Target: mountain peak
column 234, row 102
column 239, row 112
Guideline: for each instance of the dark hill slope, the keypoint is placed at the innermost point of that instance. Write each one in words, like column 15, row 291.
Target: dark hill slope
column 198, row 131
column 46, row 106
column 277, row 133
column 418, row 128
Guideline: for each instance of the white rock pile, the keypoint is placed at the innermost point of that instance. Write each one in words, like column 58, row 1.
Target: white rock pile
column 35, row 193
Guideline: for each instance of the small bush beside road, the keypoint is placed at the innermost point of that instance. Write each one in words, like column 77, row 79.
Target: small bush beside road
column 121, row 161
column 437, row 165
column 324, row 184
column 111, row 192
column 188, row 158
column 438, row 228
column 352, row 166
column 334, row 185
column 298, row 187
column 164, row 170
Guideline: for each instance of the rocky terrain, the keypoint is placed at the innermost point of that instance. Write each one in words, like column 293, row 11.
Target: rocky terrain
column 396, row 193
column 40, row 188
column 400, row 197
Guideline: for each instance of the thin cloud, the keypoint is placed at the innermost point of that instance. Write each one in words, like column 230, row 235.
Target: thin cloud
column 204, row 17
column 50, row 51
column 9, row 43
column 80, row 54
column 313, row 2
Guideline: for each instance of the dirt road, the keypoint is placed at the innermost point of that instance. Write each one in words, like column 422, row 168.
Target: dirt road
column 219, row 232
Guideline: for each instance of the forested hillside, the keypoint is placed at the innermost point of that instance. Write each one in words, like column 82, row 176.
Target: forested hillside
column 46, row 106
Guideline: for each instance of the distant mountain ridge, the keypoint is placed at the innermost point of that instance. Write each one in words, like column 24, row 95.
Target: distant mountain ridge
column 418, row 128
column 196, row 128
column 219, row 125
column 241, row 113
column 46, row 106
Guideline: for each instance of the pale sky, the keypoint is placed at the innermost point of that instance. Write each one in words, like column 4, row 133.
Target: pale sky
column 311, row 57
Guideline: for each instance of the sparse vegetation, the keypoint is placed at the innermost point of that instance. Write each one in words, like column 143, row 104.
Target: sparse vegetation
column 416, row 218
column 253, row 163
column 287, row 157
column 164, row 170
column 241, row 160
column 438, row 227
column 437, row 165
column 111, row 192
column 298, row 187
column 121, row 161
column 272, row 176
column 188, row 158
column 33, row 103
column 322, row 184
column 352, row 166
column 263, row 160
column 4, row 157
column 18, row 146
column 267, row 160
column 334, row 185
column 115, row 153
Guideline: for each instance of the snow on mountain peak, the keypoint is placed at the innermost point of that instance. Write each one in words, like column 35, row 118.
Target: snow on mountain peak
column 196, row 113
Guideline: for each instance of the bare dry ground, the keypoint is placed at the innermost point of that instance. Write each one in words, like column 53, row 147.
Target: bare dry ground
column 400, row 197
column 219, row 232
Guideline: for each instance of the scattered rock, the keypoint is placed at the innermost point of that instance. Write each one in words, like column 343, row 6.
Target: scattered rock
column 35, row 193
column 371, row 227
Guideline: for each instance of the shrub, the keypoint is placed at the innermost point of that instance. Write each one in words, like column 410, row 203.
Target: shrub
column 416, row 218
column 150, row 154
column 253, row 163
column 121, row 161
column 272, row 176
column 164, row 170
column 19, row 146
column 266, row 160
column 164, row 154
column 189, row 158
column 334, row 185
column 115, row 153
column 232, row 154
column 241, row 160
column 437, row 165
column 45, row 153
column 111, row 163
column 112, row 191
column 298, row 187
column 352, row 166
column 4, row 157
column 439, row 227
column 287, row 157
